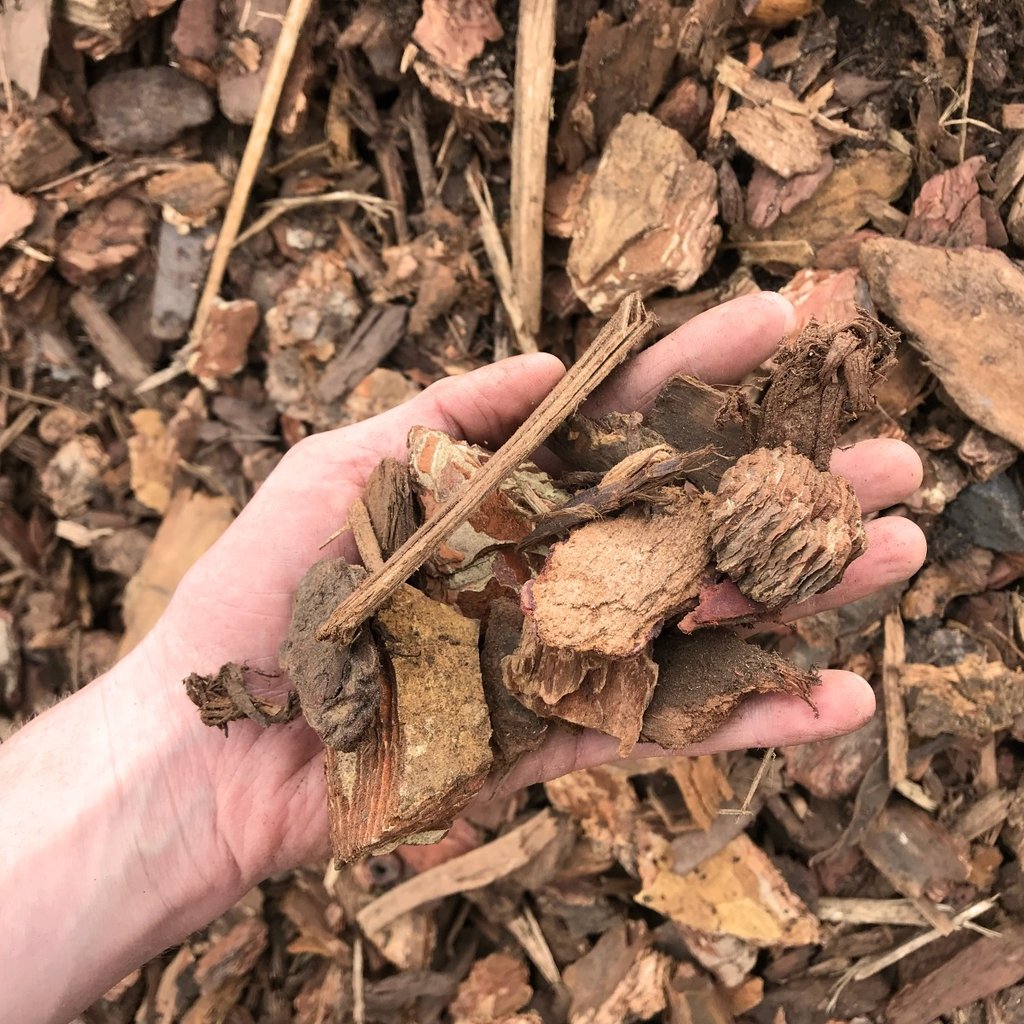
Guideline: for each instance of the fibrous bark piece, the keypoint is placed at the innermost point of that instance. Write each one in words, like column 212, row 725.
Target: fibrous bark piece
column 781, row 530
column 608, row 587
column 821, row 381
column 224, row 698
column 648, row 221
column 591, row 690
column 338, row 686
column 428, row 752
column 642, row 477
column 704, row 677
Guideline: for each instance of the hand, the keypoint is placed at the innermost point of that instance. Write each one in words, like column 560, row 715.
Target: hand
column 120, row 803
column 267, row 787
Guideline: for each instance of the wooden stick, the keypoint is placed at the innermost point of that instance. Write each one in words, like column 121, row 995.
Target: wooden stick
column 472, row 870
column 535, row 74
column 109, row 340
column 490, row 235
column 893, row 659
column 972, row 51
column 630, row 326
column 280, row 64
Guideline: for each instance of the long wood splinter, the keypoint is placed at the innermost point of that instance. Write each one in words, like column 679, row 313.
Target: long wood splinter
column 630, row 325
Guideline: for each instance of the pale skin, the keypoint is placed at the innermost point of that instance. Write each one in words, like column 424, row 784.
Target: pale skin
column 126, row 824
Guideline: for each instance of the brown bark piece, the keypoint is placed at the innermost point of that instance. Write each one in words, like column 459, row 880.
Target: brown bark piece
column 947, row 210
column 648, row 221
column 834, row 768
column 841, row 204
column 609, row 694
column 191, row 196
column 736, row 892
column 971, row 699
column 153, row 457
column 74, row 476
column 703, row 678
column 607, row 588
column 639, row 478
column 428, row 753
column 596, row 446
column 481, row 559
column 917, row 855
column 622, row 979
column 224, row 697
column 338, row 687
column 622, row 69
column 770, row 196
column 781, row 530
column 827, row 296
column 515, row 729
column 693, row 998
column 389, row 501
column 33, row 150
column 972, row 347
column 104, row 241
column 988, row 965
column 690, row 414
column 248, row 58
column 223, row 345
column 484, row 90
column 455, row 32
column 941, row 582
column 822, row 380
column 498, row 985
column 16, row 214
column 784, row 142
column 190, row 526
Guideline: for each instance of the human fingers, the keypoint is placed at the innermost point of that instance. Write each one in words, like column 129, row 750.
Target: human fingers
column 720, row 346
column 843, row 702
column 896, row 550
column 883, row 471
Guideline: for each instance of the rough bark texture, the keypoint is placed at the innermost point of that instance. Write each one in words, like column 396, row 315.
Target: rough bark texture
column 822, row 380
column 648, row 220
column 607, row 588
column 703, row 678
column 591, row 690
column 781, row 530
column 428, row 752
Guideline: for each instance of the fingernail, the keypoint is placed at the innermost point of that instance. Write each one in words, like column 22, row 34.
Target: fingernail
column 787, row 309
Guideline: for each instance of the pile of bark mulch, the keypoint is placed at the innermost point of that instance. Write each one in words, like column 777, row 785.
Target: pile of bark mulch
column 866, row 155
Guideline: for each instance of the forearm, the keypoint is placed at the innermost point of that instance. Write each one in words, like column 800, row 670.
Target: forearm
column 105, row 857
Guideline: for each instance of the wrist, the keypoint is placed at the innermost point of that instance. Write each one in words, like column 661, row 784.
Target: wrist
column 109, row 851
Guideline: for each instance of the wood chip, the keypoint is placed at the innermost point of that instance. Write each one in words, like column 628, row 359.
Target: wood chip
column 923, row 288
column 472, row 870
column 643, row 239
column 737, row 892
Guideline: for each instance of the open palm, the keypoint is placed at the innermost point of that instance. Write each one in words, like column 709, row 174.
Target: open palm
column 265, row 789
